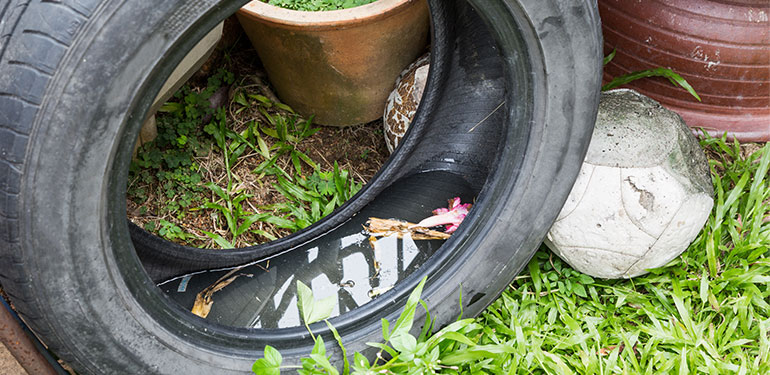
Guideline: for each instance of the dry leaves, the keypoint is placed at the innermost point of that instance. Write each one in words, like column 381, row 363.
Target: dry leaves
column 204, row 300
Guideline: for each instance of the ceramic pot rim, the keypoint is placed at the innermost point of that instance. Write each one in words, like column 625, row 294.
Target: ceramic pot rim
column 330, row 19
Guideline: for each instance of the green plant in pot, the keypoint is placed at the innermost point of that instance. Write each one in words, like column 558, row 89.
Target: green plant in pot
column 338, row 65
column 318, row 5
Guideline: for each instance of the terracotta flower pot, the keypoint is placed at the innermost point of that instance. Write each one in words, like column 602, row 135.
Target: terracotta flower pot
column 337, row 65
column 721, row 47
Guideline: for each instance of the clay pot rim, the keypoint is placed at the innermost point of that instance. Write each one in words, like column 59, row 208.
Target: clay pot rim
column 330, row 19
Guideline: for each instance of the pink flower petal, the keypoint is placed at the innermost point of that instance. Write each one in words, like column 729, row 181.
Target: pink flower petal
column 452, row 217
column 440, row 211
column 452, row 228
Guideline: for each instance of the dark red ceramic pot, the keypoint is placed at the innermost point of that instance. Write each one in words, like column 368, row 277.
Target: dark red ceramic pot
column 721, row 47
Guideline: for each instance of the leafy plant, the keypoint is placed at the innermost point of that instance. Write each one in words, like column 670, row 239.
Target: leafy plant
column 314, row 197
column 167, row 162
column 238, row 220
column 318, row 363
column 172, row 232
column 318, row 5
column 288, row 131
column 669, row 74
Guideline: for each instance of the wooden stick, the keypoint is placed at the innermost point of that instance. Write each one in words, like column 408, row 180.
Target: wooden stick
column 389, row 227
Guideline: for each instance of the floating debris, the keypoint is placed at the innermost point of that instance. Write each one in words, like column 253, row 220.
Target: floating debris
column 452, row 217
column 389, row 227
column 203, row 300
column 377, row 291
column 347, row 284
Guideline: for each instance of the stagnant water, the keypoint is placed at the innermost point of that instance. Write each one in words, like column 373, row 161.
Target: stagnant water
column 342, row 263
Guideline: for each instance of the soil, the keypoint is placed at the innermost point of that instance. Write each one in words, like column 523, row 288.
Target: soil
column 8, row 364
column 359, row 149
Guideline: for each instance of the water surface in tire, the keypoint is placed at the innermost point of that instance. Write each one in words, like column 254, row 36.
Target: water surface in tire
column 264, row 294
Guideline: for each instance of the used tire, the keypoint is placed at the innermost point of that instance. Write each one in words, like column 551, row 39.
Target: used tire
column 509, row 108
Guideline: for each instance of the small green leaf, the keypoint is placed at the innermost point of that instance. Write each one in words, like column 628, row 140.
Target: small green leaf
column 217, row 190
column 263, row 149
column 609, row 57
column 248, row 221
column 284, row 107
column 223, row 243
column 262, row 233
column 404, row 343
column 270, row 132
column 315, row 210
column 360, row 363
column 385, row 329
column 270, row 364
column 580, row 290
column 319, row 347
column 305, row 297
column 262, row 99
column 295, row 161
column 329, row 207
column 405, row 321
column 323, row 309
column 280, row 222
column 312, row 310
column 306, row 159
column 346, row 364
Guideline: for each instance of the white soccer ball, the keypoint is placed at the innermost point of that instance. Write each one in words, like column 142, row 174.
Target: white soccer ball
column 643, row 193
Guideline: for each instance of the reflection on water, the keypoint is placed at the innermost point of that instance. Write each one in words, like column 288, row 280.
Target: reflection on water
column 342, row 263
column 264, row 296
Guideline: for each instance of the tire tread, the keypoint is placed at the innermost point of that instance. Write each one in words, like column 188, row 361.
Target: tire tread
column 33, row 40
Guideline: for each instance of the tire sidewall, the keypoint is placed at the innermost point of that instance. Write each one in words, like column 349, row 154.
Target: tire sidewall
column 93, row 292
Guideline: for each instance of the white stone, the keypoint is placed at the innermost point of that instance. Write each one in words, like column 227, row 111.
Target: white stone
column 642, row 195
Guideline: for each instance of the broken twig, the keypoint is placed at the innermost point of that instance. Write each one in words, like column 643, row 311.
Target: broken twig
column 388, row 227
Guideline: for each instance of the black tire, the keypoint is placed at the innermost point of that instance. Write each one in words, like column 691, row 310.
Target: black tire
column 76, row 75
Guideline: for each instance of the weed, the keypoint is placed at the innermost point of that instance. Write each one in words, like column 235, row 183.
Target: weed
column 669, row 74
column 241, row 178
column 167, row 164
column 238, row 221
column 172, row 232
column 288, row 131
column 315, row 197
column 309, row 199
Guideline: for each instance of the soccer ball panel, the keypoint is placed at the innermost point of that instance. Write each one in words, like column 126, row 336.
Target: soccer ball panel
column 651, row 196
column 578, row 190
column 600, row 221
column 595, row 262
column 682, row 230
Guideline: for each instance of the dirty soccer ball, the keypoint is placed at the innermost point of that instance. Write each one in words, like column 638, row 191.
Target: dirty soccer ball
column 642, row 195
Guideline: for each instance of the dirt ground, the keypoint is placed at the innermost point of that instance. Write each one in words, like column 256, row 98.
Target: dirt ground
column 8, row 364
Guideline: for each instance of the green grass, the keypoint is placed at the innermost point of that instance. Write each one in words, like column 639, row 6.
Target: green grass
column 318, row 5
column 706, row 312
